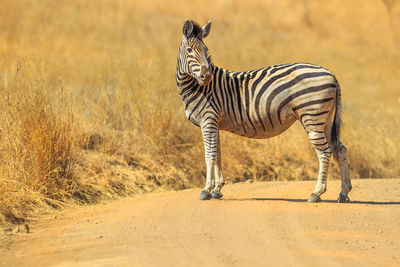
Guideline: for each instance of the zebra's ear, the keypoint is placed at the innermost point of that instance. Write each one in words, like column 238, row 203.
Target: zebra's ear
column 187, row 28
column 206, row 29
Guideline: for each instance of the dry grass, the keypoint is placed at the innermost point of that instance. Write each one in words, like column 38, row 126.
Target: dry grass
column 90, row 109
column 37, row 161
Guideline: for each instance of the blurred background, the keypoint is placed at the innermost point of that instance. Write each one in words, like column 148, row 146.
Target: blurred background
column 90, row 109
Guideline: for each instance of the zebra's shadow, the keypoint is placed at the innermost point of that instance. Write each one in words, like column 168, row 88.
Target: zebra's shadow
column 305, row 200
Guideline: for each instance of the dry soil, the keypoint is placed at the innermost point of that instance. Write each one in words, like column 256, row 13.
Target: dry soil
column 258, row 224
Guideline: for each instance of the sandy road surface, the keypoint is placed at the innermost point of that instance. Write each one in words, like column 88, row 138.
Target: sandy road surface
column 259, row 224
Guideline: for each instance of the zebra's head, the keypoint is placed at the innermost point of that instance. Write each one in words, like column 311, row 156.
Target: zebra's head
column 193, row 54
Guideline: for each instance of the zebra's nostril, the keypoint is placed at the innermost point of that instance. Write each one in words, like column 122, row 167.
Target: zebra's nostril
column 203, row 71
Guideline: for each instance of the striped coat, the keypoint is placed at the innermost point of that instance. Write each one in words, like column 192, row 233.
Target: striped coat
column 260, row 103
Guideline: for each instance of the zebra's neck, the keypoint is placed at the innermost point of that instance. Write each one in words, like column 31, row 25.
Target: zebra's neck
column 222, row 79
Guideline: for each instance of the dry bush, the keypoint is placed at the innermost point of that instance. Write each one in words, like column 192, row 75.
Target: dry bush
column 90, row 108
column 37, row 161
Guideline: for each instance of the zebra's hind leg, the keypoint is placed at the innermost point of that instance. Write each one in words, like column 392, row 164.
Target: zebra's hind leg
column 344, row 173
column 323, row 149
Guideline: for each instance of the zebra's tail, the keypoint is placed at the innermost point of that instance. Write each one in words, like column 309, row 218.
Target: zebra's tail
column 337, row 121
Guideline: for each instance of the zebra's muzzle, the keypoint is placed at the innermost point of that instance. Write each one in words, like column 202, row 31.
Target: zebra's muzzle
column 205, row 80
column 205, row 76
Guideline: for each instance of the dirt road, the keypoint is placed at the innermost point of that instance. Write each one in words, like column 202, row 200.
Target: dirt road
column 259, row 224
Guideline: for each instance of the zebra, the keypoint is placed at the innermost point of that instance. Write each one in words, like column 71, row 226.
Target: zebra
column 259, row 103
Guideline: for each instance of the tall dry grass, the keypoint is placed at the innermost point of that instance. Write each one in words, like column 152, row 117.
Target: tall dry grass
column 90, row 109
column 36, row 147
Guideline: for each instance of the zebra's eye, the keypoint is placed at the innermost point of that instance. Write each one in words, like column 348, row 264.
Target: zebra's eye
column 189, row 49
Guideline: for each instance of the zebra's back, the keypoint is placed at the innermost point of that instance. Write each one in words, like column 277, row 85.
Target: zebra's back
column 267, row 101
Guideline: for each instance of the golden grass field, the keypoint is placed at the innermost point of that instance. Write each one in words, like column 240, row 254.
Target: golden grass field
column 90, row 109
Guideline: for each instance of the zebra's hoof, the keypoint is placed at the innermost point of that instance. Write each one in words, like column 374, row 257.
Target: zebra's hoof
column 216, row 195
column 343, row 199
column 314, row 198
column 204, row 195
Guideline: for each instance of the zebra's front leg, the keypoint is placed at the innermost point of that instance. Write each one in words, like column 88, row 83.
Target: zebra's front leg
column 219, row 179
column 210, row 138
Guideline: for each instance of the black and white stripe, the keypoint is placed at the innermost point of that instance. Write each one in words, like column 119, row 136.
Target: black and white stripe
column 260, row 103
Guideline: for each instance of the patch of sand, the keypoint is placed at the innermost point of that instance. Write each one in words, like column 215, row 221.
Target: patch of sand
column 259, row 224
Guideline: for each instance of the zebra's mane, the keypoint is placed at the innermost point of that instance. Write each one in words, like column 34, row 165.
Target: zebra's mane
column 209, row 59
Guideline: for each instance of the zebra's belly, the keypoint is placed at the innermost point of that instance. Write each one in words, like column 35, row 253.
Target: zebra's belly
column 260, row 129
